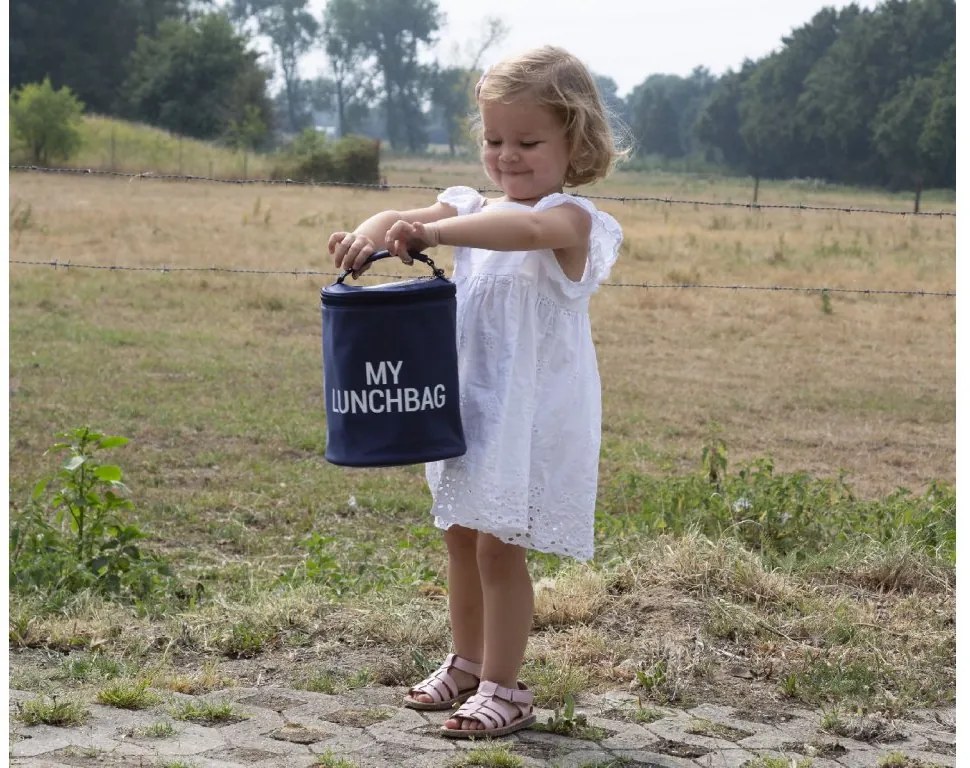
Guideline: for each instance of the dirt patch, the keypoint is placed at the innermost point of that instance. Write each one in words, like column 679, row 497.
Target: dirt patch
column 357, row 718
column 678, row 749
column 272, row 701
column 299, row 734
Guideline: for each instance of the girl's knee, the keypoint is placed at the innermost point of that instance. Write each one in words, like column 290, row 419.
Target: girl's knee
column 497, row 558
column 459, row 539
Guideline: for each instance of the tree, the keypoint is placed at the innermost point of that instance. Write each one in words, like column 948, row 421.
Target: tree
column 291, row 29
column 663, row 110
column 896, row 131
column 452, row 91
column 769, row 127
column 84, row 45
column 353, row 84
column 195, row 78
column 392, row 33
column 718, row 124
column 861, row 70
column 937, row 140
column 47, row 121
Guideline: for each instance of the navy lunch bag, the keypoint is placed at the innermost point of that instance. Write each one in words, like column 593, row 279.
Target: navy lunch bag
column 390, row 371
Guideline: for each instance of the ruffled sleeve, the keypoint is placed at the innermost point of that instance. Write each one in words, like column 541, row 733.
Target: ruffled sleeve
column 462, row 199
column 605, row 237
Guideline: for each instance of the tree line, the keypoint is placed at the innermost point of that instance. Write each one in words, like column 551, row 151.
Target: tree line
column 854, row 95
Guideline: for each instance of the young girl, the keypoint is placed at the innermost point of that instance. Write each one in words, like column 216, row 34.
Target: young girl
column 525, row 266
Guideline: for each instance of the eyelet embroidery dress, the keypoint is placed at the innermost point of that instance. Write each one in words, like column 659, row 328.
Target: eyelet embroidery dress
column 529, row 390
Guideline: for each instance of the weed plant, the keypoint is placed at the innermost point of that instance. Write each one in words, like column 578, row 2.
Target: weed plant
column 77, row 537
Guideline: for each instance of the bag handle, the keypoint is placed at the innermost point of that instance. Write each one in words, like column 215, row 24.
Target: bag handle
column 378, row 255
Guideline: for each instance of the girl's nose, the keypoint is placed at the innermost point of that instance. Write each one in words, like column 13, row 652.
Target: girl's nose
column 508, row 156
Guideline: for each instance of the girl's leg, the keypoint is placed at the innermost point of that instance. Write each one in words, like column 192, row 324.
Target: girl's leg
column 507, row 597
column 464, row 601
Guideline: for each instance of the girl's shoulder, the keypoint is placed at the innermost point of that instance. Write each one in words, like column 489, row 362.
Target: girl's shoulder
column 602, row 221
column 605, row 238
column 462, row 199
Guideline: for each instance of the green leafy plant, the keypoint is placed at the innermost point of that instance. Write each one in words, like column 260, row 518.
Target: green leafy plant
column 72, row 535
column 46, row 121
column 567, row 722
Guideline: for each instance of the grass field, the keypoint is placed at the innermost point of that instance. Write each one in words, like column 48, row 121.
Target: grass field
column 809, row 557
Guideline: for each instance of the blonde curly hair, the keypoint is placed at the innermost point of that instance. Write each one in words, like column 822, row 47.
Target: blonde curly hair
column 560, row 82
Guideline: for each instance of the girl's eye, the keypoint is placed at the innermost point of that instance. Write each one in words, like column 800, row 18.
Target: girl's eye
column 492, row 142
column 529, row 144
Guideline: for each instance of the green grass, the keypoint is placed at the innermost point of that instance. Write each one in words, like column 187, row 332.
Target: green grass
column 489, row 756
column 128, row 694
column 53, row 710
column 208, row 712
column 113, row 144
column 329, row 760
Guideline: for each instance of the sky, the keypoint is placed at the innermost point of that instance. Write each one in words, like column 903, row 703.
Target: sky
column 627, row 40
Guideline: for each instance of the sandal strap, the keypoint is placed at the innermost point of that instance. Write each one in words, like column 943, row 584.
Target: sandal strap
column 440, row 685
column 482, row 708
column 460, row 662
column 520, row 695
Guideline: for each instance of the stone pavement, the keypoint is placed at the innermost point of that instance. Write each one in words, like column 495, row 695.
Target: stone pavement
column 288, row 728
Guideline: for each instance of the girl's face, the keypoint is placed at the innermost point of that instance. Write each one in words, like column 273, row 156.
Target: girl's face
column 524, row 150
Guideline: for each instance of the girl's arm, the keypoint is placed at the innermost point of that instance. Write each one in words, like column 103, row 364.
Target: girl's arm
column 564, row 228
column 351, row 249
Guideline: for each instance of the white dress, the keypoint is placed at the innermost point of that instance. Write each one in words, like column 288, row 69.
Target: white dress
column 529, row 390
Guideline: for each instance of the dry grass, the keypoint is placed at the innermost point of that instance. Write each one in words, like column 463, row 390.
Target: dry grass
column 867, row 390
column 213, row 375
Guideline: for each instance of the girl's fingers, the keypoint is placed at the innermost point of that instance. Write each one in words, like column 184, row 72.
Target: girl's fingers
column 335, row 238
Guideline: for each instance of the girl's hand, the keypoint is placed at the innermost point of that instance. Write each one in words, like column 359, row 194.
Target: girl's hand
column 350, row 250
column 406, row 236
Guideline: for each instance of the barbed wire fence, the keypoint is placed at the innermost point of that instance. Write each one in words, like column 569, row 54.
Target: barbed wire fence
column 54, row 264
column 151, row 175
column 166, row 269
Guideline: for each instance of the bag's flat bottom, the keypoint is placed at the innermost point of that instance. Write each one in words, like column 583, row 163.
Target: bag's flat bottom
column 400, row 462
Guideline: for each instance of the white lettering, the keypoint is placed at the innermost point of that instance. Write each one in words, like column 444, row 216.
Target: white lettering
column 388, row 400
column 370, row 400
column 375, row 377
column 394, row 371
column 411, row 400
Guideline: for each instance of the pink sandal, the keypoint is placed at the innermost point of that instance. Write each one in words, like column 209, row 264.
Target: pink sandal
column 441, row 686
column 501, row 710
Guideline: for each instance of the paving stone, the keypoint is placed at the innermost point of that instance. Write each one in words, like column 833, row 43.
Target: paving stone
column 679, row 732
column 654, row 759
column 792, row 759
column 726, row 758
column 631, row 736
column 37, row 762
column 375, row 696
column 258, row 723
column 40, row 739
column 580, row 758
column 408, row 728
column 931, row 758
column 289, row 728
column 930, row 730
column 190, row 739
column 776, row 737
column 343, row 743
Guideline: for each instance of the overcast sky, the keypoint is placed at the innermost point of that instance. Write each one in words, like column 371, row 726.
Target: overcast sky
column 626, row 40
